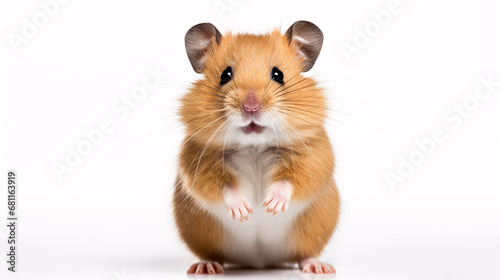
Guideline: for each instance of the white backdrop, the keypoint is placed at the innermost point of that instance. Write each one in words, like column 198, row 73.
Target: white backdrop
column 414, row 91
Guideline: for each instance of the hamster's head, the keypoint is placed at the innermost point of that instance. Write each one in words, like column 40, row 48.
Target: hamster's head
column 253, row 91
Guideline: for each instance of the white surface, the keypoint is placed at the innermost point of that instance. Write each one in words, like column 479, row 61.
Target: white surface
column 113, row 211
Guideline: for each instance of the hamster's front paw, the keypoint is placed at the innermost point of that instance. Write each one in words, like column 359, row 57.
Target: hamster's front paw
column 238, row 207
column 278, row 198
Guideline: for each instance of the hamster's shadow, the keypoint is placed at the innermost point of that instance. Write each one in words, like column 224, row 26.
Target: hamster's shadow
column 163, row 265
column 279, row 272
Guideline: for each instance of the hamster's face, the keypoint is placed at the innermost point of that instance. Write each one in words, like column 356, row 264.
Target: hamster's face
column 253, row 91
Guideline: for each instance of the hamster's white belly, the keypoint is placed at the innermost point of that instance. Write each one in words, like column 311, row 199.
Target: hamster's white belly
column 264, row 239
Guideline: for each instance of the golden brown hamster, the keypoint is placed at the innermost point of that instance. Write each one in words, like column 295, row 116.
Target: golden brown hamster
column 255, row 180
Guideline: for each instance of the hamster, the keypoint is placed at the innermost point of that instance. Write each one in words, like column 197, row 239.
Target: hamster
column 255, row 177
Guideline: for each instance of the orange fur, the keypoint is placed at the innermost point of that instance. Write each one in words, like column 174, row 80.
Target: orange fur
column 200, row 231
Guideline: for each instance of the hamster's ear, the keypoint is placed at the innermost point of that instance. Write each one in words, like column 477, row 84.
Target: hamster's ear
column 308, row 39
column 198, row 40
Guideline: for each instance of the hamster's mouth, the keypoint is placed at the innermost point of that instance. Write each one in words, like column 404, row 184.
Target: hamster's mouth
column 253, row 127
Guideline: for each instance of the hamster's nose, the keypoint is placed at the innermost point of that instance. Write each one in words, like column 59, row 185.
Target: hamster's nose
column 251, row 103
column 251, row 108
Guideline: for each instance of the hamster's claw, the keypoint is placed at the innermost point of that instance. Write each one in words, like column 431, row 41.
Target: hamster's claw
column 238, row 207
column 278, row 198
column 313, row 265
column 206, row 267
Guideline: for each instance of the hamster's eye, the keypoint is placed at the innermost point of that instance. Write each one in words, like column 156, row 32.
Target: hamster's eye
column 277, row 75
column 226, row 75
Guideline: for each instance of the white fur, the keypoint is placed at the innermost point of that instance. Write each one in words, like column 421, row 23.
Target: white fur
column 264, row 239
column 276, row 131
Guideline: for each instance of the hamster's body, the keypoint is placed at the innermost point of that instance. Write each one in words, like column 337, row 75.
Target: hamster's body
column 259, row 241
column 255, row 188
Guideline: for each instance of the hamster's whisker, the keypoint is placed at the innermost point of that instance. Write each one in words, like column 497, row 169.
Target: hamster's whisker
column 224, row 149
column 201, row 129
column 204, row 149
column 228, row 134
column 180, row 86
column 163, row 98
column 307, row 111
column 297, row 115
column 232, row 87
column 265, row 91
column 214, row 88
column 313, row 123
column 357, row 131
column 179, row 124
column 134, row 117
column 336, row 120
column 366, row 122
column 323, row 71
column 336, row 128
column 356, row 91
column 276, row 139
column 326, row 117
column 285, row 86
column 205, row 113
column 235, row 129
column 224, row 93
column 296, row 134
column 294, row 102
column 236, row 86
column 300, row 137
column 351, row 79
column 237, row 90
column 120, row 159
column 358, row 102
column 296, row 89
column 209, row 93
column 320, row 115
column 282, row 132
column 355, row 101
column 294, row 76
column 280, row 89
column 144, row 148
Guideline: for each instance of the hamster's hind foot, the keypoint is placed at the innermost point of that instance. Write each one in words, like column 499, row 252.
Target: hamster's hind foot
column 206, row 267
column 315, row 266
